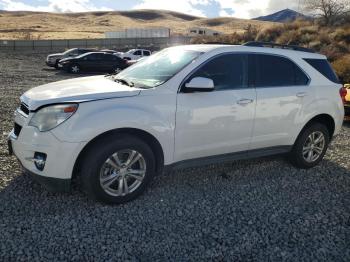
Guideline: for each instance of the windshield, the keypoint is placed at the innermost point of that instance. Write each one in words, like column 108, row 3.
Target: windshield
column 82, row 55
column 69, row 51
column 158, row 68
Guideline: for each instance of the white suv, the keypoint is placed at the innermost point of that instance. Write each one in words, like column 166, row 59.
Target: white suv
column 184, row 106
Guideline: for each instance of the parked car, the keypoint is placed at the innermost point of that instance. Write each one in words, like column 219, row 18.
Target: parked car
column 187, row 106
column 135, row 54
column 53, row 59
column 93, row 61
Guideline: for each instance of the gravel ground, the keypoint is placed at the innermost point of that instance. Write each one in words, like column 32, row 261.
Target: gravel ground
column 254, row 210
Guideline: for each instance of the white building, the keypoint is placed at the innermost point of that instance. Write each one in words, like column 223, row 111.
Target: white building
column 139, row 33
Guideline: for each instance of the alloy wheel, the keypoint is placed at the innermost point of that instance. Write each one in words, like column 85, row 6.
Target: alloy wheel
column 123, row 172
column 313, row 146
column 75, row 69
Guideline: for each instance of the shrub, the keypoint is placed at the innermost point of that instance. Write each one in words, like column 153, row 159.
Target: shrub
column 342, row 68
column 334, row 51
column 342, row 35
column 289, row 38
column 312, row 30
column 270, row 34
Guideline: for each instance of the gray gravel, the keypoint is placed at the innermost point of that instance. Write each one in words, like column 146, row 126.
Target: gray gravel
column 253, row 210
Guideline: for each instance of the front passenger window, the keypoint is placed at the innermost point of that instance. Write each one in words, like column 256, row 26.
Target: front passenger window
column 227, row 71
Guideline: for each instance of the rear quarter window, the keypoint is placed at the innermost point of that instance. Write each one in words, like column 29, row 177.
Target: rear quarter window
column 324, row 67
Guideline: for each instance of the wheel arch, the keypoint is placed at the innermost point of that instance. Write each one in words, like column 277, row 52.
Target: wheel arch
column 145, row 136
column 324, row 119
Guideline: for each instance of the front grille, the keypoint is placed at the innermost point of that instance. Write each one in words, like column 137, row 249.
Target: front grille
column 24, row 108
column 17, row 129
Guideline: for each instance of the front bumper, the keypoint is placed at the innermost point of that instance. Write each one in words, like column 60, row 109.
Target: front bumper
column 52, row 184
column 64, row 66
column 50, row 63
column 61, row 156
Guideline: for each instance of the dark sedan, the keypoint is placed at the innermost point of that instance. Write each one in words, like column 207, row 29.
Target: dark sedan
column 93, row 62
column 53, row 59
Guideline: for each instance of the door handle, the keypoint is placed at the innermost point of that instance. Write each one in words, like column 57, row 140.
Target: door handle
column 301, row 94
column 245, row 101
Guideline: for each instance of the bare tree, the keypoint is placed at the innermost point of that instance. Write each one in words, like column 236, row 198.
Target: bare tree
column 328, row 10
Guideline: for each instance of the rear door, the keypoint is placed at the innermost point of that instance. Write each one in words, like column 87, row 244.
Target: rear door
column 109, row 62
column 282, row 91
column 94, row 62
column 113, row 62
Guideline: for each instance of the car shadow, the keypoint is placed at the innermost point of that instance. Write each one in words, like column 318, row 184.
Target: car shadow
column 65, row 73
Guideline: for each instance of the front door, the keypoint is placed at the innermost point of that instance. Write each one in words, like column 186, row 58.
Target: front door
column 220, row 121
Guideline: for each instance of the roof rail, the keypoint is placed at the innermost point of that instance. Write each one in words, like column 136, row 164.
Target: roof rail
column 216, row 43
column 274, row 45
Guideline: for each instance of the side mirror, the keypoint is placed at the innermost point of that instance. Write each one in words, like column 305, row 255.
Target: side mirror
column 200, row 84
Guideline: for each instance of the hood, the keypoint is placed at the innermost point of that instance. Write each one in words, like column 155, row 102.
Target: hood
column 55, row 55
column 76, row 90
column 67, row 59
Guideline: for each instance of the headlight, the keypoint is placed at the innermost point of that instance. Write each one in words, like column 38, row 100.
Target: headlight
column 49, row 117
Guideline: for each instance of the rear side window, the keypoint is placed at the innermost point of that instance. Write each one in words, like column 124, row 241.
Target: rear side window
column 323, row 66
column 109, row 57
column 271, row 71
column 227, row 71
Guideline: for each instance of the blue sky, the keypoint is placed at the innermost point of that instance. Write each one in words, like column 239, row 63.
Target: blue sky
column 206, row 8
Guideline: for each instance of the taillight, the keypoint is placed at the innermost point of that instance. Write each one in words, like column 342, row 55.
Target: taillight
column 343, row 92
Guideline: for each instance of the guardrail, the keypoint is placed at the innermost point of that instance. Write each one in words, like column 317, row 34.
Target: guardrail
column 114, row 43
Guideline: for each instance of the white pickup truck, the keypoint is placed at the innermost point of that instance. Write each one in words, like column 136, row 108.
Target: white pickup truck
column 135, row 54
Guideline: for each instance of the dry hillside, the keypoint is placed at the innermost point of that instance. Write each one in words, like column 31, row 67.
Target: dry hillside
column 40, row 25
column 332, row 41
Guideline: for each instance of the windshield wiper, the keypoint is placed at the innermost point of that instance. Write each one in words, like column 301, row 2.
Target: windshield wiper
column 124, row 82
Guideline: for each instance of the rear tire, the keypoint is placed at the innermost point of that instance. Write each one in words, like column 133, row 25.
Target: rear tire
column 108, row 177
column 310, row 147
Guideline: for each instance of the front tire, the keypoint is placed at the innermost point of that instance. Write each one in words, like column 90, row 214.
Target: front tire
column 56, row 64
column 117, row 170
column 74, row 69
column 311, row 146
